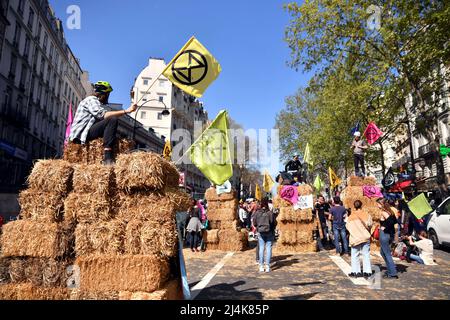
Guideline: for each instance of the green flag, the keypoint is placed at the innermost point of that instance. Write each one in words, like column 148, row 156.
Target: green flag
column 419, row 206
column 211, row 152
column 318, row 184
column 445, row 151
column 307, row 156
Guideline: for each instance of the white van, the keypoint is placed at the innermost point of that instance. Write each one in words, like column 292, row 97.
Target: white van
column 439, row 225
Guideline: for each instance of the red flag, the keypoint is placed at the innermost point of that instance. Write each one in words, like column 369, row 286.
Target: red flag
column 372, row 133
column 69, row 124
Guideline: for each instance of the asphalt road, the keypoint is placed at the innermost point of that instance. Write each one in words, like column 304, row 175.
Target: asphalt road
column 316, row 276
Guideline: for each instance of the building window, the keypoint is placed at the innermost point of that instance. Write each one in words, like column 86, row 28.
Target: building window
column 17, row 35
column 26, row 50
column 31, row 19
column 162, row 83
column 13, row 66
column 160, row 116
column 44, row 46
column 145, row 82
column 161, row 98
column 143, row 115
column 23, row 76
column 21, row 7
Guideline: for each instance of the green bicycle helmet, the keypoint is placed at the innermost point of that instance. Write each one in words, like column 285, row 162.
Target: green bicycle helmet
column 103, row 87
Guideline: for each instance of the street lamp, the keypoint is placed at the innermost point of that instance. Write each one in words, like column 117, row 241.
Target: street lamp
column 165, row 113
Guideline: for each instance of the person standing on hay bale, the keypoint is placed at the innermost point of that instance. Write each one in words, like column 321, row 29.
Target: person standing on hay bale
column 359, row 146
column 294, row 167
column 194, row 227
column 93, row 121
column 265, row 224
column 359, row 224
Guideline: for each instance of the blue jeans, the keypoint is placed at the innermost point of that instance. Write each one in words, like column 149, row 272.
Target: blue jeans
column 265, row 241
column 416, row 258
column 363, row 249
column 340, row 230
column 385, row 241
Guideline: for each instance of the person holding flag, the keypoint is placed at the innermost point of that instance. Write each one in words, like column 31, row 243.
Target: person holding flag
column 93, row 121
column 359, row 146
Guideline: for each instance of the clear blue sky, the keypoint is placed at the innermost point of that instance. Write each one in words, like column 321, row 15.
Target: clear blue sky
column 246, row 36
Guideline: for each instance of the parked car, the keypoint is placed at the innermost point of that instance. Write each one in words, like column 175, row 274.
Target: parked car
column 439, row 225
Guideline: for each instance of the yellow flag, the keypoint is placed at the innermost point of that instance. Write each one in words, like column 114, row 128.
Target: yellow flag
column 307, row 156
column 211, row 152
column 268, row 182
column 167, row 153
column 193, row 69
column 258, row 193
column 334, row 179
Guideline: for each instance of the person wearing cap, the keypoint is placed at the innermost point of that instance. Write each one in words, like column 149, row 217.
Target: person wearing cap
column 294, row 166
column 359, row 146
column 93, row 121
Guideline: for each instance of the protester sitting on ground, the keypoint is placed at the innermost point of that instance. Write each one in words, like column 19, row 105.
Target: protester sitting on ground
column 388, row 223
column 93, row 121
column 338, row 215
column 425, row 247
column 194, row 227
column 265, row 223
column 359, row 224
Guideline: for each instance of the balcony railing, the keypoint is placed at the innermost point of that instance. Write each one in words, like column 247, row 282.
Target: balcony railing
column 425, row 150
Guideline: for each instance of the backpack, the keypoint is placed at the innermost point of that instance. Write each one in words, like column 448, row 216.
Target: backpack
column 263, row 222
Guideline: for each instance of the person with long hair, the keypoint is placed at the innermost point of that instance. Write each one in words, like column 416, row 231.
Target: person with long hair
column 265, row 224
column 194, row 227
column 388, row 221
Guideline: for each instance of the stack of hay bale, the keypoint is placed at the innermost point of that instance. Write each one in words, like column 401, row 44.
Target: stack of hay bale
column 225, row 233
column 131, row 252
column 296, row 227
column 354, row 191
column 92, row 152
column 36, row 250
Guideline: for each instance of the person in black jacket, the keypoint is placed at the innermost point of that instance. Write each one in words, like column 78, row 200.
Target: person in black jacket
column 294, row 166
column 388, row 224
column 265, row 224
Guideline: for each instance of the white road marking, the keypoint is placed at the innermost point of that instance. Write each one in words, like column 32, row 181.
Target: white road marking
column 211, row 274
column 346, row 268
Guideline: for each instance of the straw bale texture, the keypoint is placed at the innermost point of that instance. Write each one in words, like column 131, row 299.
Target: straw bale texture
column 35, row 239
column 279, row 203
column 75, row 153
column 86, row 208
column 171, row 291
column 146, row 238
column 231, row 204
column 94, row 150
column 308, row 227
column 217, row 224
column 123, row 273
column 211, row 236
column 51, row 176
column 354, row 181
column 305, row 190
column 4, row 270
column 27, row 291
column 147, row 206
column 78, row 294
column 41, row 206
column 222, row 214
column 288, row 214
column 94, row 179
column 100, row 238
column 235, row 240
column 298, row 248
column 145, row 171
column 211, row 195
column 288, row 237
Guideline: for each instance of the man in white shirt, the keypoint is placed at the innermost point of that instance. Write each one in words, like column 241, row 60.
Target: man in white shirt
column 425, row 247
column 243, row 216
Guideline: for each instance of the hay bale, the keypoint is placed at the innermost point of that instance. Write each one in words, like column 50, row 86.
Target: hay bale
column 354, row 181
column 180, row 200
column 78, row 294
column 41, row 206
column 294, row 249
column 75, row 153
column 51, row 176
column 24, row 238
column 288, row 214
column 375, row 213
column 211, row 195
column 290, row 226
column 17, row 270
column 4, row 270
column 232, row 240
column 304, row 237
column 147, row 238
column 288, row 237
column 145, row 171
column 26, row 291
column 222, row 214
column 100, row 238
column 305, row 190
column 230, row 204
column 147, row 206
column 95, row 150
column 94, row 179
column 279, row 203
column 211, row 236
column 218, row 224
column 171, row 291
column 123, row 273
column 86, row 208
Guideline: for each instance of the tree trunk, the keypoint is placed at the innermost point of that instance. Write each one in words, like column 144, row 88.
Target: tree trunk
column 383, row 165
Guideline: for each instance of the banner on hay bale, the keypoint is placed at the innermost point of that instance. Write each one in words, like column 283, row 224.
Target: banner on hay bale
column 304, row 202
